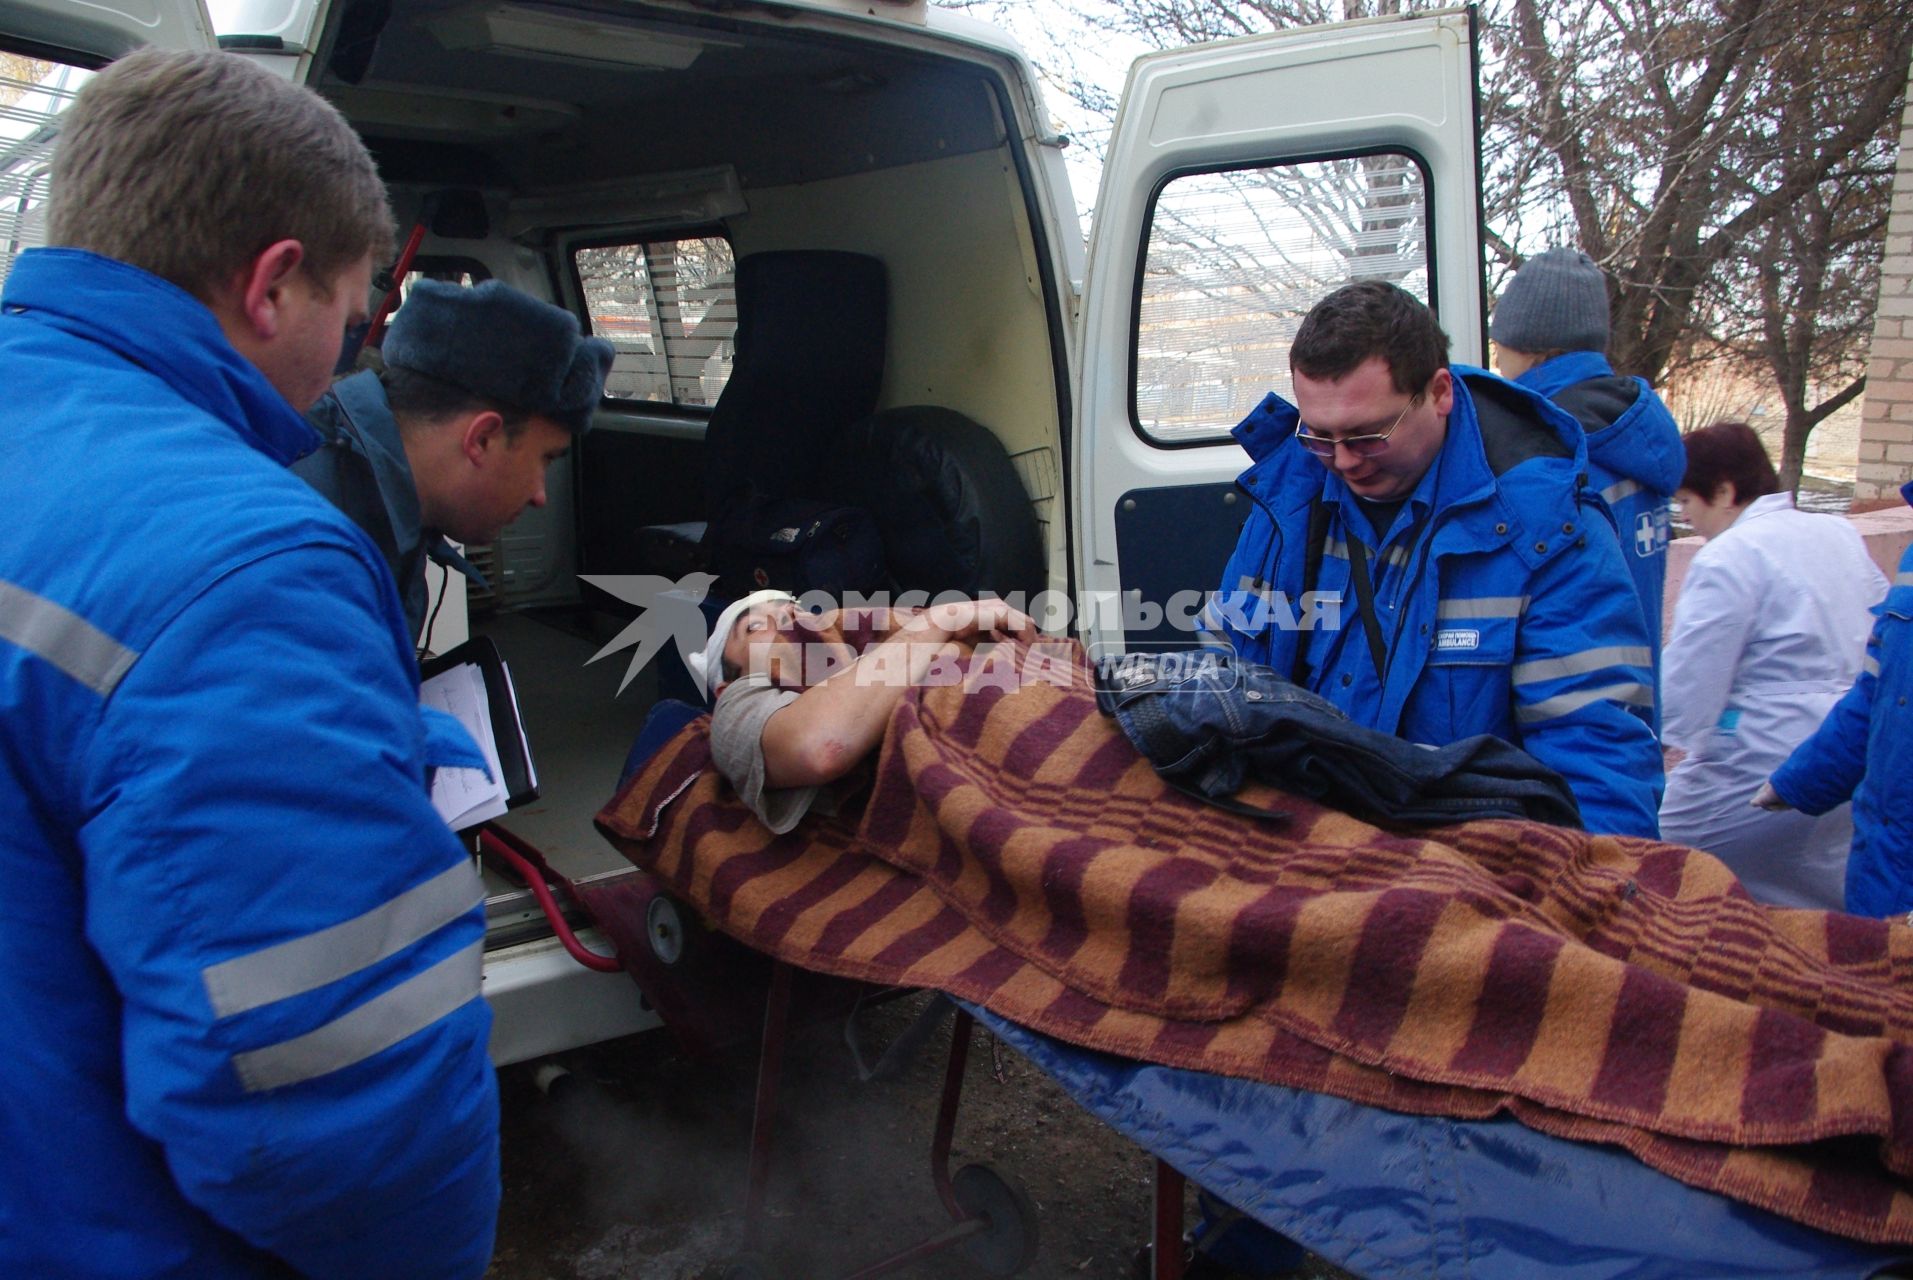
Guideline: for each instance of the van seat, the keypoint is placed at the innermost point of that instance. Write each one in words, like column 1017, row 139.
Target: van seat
column 809, row 353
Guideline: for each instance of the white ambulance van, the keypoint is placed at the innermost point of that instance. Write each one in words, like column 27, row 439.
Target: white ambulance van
column 878, row 193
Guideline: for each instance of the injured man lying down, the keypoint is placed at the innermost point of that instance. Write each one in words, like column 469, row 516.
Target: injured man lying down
column 800, row 698
column 1353, row 921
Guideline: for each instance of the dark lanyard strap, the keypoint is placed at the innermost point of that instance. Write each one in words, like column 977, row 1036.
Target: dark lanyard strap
column 1313, row 550
column 1365, row 602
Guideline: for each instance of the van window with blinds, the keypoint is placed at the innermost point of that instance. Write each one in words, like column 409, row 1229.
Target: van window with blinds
column 1236, row 258
column 669, row 307
column 33, row 93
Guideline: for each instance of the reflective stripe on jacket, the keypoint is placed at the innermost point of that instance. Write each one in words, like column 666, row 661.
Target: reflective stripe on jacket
column 240, row 969
column 1500, row 589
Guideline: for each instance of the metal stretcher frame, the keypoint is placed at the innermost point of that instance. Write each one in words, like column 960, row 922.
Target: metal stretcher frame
column 701, row 987
column 991, row 1218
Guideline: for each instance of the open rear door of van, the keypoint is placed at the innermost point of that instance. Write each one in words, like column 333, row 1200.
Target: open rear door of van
column 1245, row 181
column 94, row 33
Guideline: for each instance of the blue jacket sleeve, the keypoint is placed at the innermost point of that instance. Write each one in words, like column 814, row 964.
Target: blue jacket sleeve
column 1583, row 680
column 1233, row 616
column 1248, row 614
column 294, row 932
column 1824, row 771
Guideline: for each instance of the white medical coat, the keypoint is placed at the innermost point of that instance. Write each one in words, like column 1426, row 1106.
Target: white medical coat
column 1769, row 630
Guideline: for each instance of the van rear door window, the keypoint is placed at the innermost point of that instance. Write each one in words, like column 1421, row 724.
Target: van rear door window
column 33, row 93
column 1235, row 260
column 669, row 307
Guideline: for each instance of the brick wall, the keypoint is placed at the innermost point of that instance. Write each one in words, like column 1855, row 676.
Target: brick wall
column 1886, row 432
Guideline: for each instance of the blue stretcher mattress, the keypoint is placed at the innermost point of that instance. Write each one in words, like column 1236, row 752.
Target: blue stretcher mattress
column 1391, row 1196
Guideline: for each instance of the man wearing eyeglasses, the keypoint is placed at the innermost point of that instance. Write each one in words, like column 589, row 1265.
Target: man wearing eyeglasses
column 1422, row 550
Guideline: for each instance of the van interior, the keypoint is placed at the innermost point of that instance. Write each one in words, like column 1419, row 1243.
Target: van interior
column 816, row 252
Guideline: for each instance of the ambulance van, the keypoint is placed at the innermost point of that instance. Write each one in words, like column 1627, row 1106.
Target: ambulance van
column 834, row 244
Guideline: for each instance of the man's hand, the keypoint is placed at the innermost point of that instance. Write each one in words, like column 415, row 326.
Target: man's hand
column 1769, row 799
column 968, row 619
column 831, row 726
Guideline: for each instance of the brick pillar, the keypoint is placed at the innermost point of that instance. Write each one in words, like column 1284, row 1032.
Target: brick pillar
column 1886, row 430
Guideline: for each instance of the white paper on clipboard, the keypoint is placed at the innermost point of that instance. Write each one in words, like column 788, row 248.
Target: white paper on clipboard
column 466, row 797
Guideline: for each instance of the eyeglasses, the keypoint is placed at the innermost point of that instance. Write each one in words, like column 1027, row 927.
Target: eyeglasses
column 1366, row 445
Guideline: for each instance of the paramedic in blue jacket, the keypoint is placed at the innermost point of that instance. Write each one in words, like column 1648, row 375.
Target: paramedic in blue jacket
column 482, row 389
column 1551, row 331
column 1863, row 751
column 239, row 966
column 1421, row 550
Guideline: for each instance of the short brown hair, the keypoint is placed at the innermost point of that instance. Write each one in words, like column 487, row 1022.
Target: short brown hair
column 189, row 165
column 1370, row 318
column 1728, row 453
column 417, row 398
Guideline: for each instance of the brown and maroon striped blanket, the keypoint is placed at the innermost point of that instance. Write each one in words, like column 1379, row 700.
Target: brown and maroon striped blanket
column 1013, row 850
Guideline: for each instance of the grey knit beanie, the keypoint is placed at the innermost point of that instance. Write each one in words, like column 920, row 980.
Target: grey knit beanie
column 1556, row 302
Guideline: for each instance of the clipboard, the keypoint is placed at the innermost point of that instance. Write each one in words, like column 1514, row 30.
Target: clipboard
column 518, row 771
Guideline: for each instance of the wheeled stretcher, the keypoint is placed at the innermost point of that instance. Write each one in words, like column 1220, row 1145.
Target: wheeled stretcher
column 712, row 993
column 1379, row 1193
column 1375, row 1190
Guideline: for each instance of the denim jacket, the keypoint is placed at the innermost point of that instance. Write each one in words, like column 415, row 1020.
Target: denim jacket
column 363, row 471
column 1208, row 721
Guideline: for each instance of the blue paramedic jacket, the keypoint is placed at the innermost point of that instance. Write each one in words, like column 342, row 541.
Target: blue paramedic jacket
column 1863, row 751
column 1500, row 591
column 1635, row 461
column 239, row 951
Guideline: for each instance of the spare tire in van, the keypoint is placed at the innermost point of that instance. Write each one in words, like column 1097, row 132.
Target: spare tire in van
column 951, row 509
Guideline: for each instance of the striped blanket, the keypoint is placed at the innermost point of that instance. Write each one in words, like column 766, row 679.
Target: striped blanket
column 1012, row 849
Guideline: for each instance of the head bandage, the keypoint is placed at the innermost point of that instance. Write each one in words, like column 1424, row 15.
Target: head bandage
column 707, row 668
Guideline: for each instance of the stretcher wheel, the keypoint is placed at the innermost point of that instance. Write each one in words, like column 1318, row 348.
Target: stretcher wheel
column 1009, row 1244
column 668, row 929
column 750, row 1266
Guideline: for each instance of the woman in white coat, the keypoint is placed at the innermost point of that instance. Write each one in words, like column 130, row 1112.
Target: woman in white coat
column 1769, row 630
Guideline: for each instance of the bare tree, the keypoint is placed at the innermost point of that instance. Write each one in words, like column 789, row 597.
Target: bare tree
column 1808, row 313
column 1799, row 295
column 1669, row 135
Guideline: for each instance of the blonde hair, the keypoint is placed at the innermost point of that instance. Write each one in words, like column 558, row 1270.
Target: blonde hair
column 189, row 165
